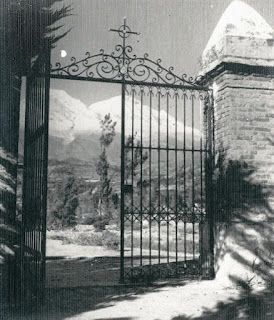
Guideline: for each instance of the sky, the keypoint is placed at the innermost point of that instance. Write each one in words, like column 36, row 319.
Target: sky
column 176, row 31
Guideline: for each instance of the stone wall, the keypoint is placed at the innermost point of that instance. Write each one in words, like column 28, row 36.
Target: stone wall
column 244, row 118
column 243, row 177
column 238, row 64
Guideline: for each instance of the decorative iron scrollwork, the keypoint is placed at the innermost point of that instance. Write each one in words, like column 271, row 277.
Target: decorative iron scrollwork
column 122, row 64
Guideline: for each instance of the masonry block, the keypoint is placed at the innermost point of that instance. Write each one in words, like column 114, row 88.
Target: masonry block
column 239, row 66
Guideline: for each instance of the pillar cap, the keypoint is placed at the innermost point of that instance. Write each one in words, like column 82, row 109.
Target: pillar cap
column 241, row 36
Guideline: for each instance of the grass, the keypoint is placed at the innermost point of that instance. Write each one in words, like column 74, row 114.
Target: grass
column 150, row 239
column 110, row 238
column 87, row 236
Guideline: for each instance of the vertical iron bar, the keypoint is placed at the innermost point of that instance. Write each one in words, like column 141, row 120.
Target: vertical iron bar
column 25, row 193
column 132, row 181
column 45, row 164
column 38, row 228
column 37, row 106
column 201, row 238
column 122, row 182
column 141, row 182
column 201, row 156
column 184, row 165
column 159, row 176
column 167, row 168
column 150, row 192
column 42, row 216
column 192, row 176
column 176, row 179
column 33, row 262
column 122, row 208
column 32, row 173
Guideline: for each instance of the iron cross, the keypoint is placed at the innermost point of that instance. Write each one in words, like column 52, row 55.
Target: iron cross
column 124, row 31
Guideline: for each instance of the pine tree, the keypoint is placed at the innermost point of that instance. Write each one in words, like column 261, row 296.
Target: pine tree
column 102, row 171
column 106, row 138
column 139, row 157
column 63, row 214
column 26, row 28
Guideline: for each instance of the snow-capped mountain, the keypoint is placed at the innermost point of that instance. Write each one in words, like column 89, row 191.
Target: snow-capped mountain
column 74, row 128
column 113, row 106
column 70, row 117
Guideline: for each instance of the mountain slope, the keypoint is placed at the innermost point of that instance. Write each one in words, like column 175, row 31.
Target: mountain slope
column 74, row 128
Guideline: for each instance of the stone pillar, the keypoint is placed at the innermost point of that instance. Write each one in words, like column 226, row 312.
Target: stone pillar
column 238, row 63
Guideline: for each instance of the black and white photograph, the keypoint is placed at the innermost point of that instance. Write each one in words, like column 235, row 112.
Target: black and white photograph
column 136, row 159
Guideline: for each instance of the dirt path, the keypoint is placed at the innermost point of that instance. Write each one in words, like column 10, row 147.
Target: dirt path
column 70, row 265
column 204, row 300
column 191, row 300
column 179, row 300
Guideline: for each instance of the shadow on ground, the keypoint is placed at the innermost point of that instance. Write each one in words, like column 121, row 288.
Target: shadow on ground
column 70, row 302
column 103, row 270
column 243, row 219
column 250, row 306
column 244, row 246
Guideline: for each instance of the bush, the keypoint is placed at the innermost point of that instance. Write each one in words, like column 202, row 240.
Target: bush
column 108, row 239
column 89, row 220
column 84, row 239
column 111, row 240
column 89, row 239
column 163, row 245
column 57, row 237
column 100, row 223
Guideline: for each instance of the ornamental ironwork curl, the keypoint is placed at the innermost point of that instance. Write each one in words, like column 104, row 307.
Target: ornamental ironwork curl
column 122, row 64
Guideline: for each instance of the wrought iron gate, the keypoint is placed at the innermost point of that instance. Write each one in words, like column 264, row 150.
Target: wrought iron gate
column 164, row 205
column 34, row 202
column 166, row 142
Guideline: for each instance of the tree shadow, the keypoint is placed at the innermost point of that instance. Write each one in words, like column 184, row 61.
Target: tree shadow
column 62, row 303
column 243, row 227
column 105, row 271
column 115, row 318
column 89, row 293
column 250, row 306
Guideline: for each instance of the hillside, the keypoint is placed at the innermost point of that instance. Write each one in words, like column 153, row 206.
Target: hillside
column 74, row 128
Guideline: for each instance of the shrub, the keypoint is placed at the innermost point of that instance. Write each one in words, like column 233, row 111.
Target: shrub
column 154, row 244
column 108, row 239
column 57, row 237
column 99, row 221
column 111, row 240
column 83, row 239
column 89, row 220
column 100, row 224
column 89, row 239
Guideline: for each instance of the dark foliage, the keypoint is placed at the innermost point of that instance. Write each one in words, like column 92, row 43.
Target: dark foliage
column 28, row 28
column 139, row 157
column 63, row 215
column 30, row 25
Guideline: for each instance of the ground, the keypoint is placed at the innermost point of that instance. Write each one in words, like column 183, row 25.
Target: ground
column 166, row 300
column 190, row 299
